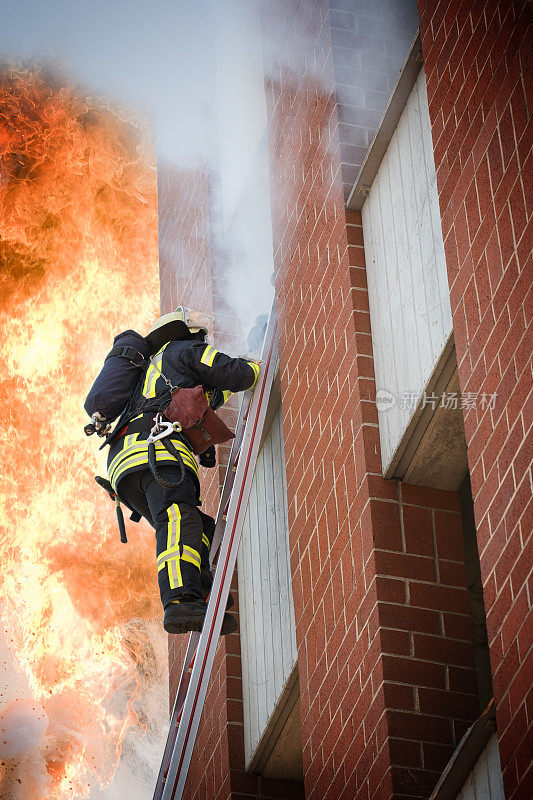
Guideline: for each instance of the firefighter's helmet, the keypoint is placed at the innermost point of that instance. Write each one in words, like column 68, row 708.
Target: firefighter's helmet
column 178, row 325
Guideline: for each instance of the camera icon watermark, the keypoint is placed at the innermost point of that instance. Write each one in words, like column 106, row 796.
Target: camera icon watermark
column 385, row 400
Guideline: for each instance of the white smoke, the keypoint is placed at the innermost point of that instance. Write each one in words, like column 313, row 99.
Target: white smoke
column 225, row 104
column 23, row 725
column 143, row 746
column 30, row 731
column 22, row 728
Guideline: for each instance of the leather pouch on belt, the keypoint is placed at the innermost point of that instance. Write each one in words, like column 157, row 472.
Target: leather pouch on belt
column 199, row 423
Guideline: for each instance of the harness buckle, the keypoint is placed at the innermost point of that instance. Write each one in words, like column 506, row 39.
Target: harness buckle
column 162, row 428
column 131, row 354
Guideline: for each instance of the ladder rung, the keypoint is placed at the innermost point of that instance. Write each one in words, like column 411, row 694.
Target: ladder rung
column 235, row 463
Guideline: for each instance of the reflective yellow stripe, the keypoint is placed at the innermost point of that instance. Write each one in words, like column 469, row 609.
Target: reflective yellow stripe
column 206, row 541
column 163, row 557
column 190, row 559
column 227, row 395
column 205, row 354
column 208, row 356
column 115, row 477
column 137, row 447
column 153, row 373
column 149, row 381
column 255, row 368
column 170, row 555
column 161, row 565
column 192, row 555
column 189, row 554
column 174, row 573
column 127, row 448
column 130, row 446
column 173, row 538
column 173, row 527
column 130, row 440
column 139, row 457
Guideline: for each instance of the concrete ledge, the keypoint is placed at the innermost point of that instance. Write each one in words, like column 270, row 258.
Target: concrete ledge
column 465, row 756
column 432, row 451
column 393, row 112
column 279, row 753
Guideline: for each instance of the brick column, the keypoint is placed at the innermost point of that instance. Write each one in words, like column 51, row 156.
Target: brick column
column 189, row 275
column 477, row 63
column 186, row 278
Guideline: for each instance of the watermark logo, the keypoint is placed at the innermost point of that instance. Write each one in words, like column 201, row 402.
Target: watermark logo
column 384, row 400
column 451, row 401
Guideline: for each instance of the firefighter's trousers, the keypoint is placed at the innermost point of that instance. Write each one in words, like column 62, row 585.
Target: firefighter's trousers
column 183, row 533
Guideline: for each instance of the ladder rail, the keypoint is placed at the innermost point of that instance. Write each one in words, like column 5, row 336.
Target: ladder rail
column 229, row 477
column 194, row 636
column 176, row 711
column 201, row 650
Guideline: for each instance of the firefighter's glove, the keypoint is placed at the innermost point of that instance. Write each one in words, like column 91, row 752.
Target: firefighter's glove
column 208, row 458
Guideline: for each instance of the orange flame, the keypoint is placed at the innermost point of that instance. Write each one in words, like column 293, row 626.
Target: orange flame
column 78, row 255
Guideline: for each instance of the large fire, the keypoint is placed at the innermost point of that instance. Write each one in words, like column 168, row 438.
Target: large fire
column 78, row 255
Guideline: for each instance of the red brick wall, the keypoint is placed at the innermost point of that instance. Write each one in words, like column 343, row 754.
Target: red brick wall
column 370, row 43
column 476, row 59
column 382, row 621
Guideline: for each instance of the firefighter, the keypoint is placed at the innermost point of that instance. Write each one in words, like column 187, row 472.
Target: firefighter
column 183, row 533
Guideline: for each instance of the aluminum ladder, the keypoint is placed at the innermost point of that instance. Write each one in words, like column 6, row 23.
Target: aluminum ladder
column 201, row 649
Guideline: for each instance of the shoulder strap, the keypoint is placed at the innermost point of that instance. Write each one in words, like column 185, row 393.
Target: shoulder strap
column 158, row 368
column 130, row 353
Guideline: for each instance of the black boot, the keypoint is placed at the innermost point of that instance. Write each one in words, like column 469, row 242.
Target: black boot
column 185, row 615
column 229, row 624
column 189, row 614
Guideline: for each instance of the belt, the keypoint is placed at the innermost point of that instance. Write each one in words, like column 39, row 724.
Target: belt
column 141, row 425
column 145, row 424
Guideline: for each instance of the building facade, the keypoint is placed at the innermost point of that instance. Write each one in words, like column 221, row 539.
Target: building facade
column 382, row 581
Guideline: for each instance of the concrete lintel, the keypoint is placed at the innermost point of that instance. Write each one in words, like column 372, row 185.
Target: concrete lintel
column 418, row 424
column 387, row 126
column 274, row 729
column 465, row 756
